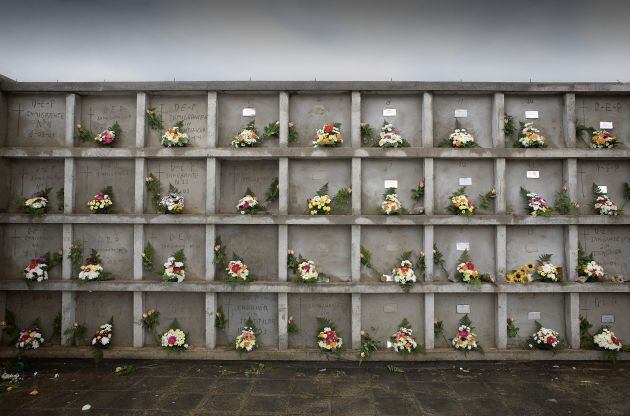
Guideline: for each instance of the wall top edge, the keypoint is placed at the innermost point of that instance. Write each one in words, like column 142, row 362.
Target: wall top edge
column 9, row 85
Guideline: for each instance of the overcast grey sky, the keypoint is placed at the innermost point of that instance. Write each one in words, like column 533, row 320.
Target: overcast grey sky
column 474, row 40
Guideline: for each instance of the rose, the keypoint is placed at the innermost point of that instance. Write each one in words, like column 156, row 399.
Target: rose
column 328, row 128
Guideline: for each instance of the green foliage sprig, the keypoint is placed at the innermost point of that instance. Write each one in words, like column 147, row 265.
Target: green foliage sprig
column 76, row 255
column 147, row 256
column 367, row 134
column 509, row 128
column 219, row 318
column 366, row 258
column 272, row 130
column 512, row 329
column 581, row 128
column 10, row 327
column 154, row 120
column 60, row 199
column 341, row 201
column 83, row 134
column 586, row 339
column 292, row 327
column 486, row 199
column 418, row 193
column 368, row 346
column 154, row 188
column 56, row 333
column 563, row 204
column 273, row 192
column 75, row 333
column 219, row 252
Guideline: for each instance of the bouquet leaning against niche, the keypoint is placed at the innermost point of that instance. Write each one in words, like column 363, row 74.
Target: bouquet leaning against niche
column 103, row 202
column 106, row 138
column 169, row 203
column 174, row 338
column 238, row 272
column 30, row 338
column 546, row 271
column 460, row 203
column 37, row 204
column 390, row 137
column 37, row 270
column 328, row 340
column 603, row 205
column 172, row 137
column 588, row 269
column 544, row 339
column 247, row 340
column 93, row 270
column 247, row 137
column 102, row 340
column 403, row 342
column 325, row 204
column 530, row 137
column 465, row 340
column 175, row 268
column 467, row 272
column 535, row 204
column 391, row 204
column 460, row 138
column 305, row 270
column 404, row 272
column 328, row 136
column 599, row 139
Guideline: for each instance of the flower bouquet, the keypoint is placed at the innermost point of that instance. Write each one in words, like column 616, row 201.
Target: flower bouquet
column 460, row 204
column 403, row 273
column 368, row 346
column 248, row 137
column 102, row 340
column 467, row 271
column 174, row 339
column 249, row 204
column 304, row 269
column 174, row 268
column 238, row 272
column 544, row 339
column 37, row 270
column 523, row 275
column 92, row 270
column 459, row 138
column 247, row 341
column 328, row 341
column 530, row 137
column 588, row 269
column 602, row 204
column 170, row 203
column 546, row 271
column 535, row 204
column 37, row 204
column 323, row 204
column 102, row 203
column 390, row 137
column 150, row 320
column 272, row 130
column 173, row 137
column 30, row 338
column 600, row 139
column 466, row 340
column 328, row 136
column 605, row 340
column 106, row 138
column 402, row 341
column 391, row 205
column 75, row 333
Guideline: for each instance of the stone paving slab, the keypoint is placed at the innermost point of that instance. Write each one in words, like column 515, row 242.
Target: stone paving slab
column 322, row 388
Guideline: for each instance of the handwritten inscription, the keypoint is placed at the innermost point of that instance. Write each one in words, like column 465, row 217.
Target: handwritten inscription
column 37, row 118
column 608, row 107
column 609, row 246
column 193, row 112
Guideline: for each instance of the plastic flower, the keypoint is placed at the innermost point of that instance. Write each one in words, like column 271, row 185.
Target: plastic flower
column 238, row 270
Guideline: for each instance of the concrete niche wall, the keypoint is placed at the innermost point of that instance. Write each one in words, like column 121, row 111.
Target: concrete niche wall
column 610, row 173
column 262, row 308
column 23, row 242
column 36, row 120
column 602, row 308
column 191, row 108
column 448, row 174
column 307, row 176
column 527, row 308
column 99, row 112
column 238, row 175
column 114, row 244
column 451, row 241
column 33, row 175
column 525, row 244
column 232, row 120
column 375, row 172
column 381, row 314
column 590, row 110
column 549, row 121
column 187, row 175
column 94, row 175
column 245, row 241
column 609, row 245
column 167, row 239
column 29, row 307
column 329, row 247
column 94, row 309
column 478, row 120
column 481, row 306
column 306, row 308
column 408, row 118
column 310, row 112
column 187, row 308
column 547, row 185
column 387, row 243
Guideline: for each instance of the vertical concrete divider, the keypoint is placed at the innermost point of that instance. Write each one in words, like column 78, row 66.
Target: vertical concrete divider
column 355, row 120
column 501, row 320
column 283, row 230
column 356, row 210
column 429, row 320
column 138, row 229
column 572, row 315
column 569, row 120
column 213, row 180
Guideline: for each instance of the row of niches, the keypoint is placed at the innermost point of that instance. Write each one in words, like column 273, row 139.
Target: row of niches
column 258, row 178
column 329, row 248
column 381, row 315
column 39, row 120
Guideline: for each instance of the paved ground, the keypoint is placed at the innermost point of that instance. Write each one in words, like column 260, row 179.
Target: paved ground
column 329, row 388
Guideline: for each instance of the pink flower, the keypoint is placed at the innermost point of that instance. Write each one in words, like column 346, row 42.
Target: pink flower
column 172, row 339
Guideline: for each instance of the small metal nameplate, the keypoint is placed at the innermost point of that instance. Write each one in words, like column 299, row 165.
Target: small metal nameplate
column 608, row 319
column 531, row 248
column 387, row 278
column 605, row 124
column 391, row 183
column 531, row 114
column 389, row 112
column 249, row 112
column 603, row 189
column 461, row 113
column 463, row 308
column 463, row 246
column 533, row 174
column 465, row 181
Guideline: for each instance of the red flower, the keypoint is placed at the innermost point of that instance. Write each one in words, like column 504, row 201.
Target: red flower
column 470, row 265
column 307, row 267
column 328, row 128
column 614, row 340
column 172, row 339
column 32, row 265
column 235, row 268
column 550, row 340
column 245, row 205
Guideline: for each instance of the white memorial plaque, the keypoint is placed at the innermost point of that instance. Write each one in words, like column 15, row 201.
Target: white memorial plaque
column 533, row 316
column 605, row 125
column 533, row 174
column 463, row 308
column 608, row 319
column 390, row 307
column 389, row 112
column 603, row 189
column 388, row 278
column 463, row 246
column 461, row 113
column 531, row 248
column 391, row 183
column 531, row 114
column 249, row 112
column 465, row 181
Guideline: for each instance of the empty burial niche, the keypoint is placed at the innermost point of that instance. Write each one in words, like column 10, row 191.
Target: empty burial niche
column 377, row 175
column 23, row 242
column 475, row 176
column 187, row 308
column 544, row 111
column 609, row 245
column 472, row 111
column 382, row 314
column 306, row 177
column 310, row 112
column 329, row 246
column 116, row 305
column 451, row 241
column 245, row 242
column 167, row 239
column 188, row 176
column 306, row 308
column 236, row 111
column 36, row 120
column 191, row 110
column 238, row 176
column 386, row 244
column 114, row 244
column 611, row 174
column 97, row 113
column 543, row 177
column 403, row 111
column 450, row 308
column 603, row 112
column 95, row 175
column 261, row 308
column 25, row 177
column 527, row 308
